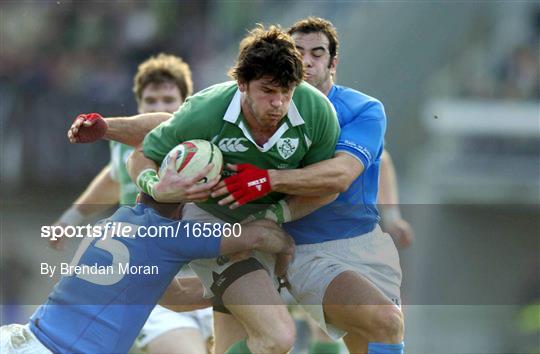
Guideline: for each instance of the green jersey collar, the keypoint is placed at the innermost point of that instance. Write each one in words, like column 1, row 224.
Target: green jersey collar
column 232, row 115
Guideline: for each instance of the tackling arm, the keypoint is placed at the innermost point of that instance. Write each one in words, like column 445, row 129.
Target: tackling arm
column 323, row 178
column 261, row 235
column 131, row 130
column 388, row 190
column 126, row 130
column 388, row 202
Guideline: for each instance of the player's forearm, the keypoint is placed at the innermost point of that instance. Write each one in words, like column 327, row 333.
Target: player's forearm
column 131, row 130
column 292, row 208
column 388, row 189
column 100, row 195
column 273, row 239
column 137, row 163
column 323, row 178
column 388, row 197
column 300, row 206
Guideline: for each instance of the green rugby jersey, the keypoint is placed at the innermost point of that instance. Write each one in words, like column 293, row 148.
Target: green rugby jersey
column 119, row 156
column 306, row 135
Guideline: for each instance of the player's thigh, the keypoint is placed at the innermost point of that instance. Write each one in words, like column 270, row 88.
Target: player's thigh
column 352, row 303
column 178, row 341
column 227, row 331
column 256, row 310
column 356, row 344
column 254, row 301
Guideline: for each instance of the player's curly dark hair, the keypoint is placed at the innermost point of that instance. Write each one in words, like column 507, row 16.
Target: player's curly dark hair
column 317, row 24
column 268, row 52
column 160, row 69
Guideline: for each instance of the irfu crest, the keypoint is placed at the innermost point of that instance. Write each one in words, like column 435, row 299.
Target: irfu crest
column 287, row 146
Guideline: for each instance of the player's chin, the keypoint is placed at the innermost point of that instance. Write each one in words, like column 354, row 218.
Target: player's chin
column 273, row 121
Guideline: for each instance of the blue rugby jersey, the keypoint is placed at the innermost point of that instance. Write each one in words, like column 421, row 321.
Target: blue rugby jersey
column 363, row 123
column 104, row 313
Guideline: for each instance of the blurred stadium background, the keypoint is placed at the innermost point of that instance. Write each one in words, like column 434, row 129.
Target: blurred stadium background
column 460, row 82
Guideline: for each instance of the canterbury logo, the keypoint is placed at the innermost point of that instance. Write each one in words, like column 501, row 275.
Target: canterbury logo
column 232, row 145
column 257, row 183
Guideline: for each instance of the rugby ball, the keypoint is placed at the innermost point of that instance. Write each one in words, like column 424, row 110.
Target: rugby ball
column 192, row 157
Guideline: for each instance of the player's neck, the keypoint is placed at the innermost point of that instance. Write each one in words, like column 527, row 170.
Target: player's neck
column 261, row 134
column 326, row 87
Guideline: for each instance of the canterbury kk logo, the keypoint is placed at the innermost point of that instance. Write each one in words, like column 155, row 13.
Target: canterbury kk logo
column 232, row 145
column 287, row 147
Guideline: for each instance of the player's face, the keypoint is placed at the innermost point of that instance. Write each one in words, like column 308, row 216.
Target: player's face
column 264, row 103
column 163, row 97
column 319, row 68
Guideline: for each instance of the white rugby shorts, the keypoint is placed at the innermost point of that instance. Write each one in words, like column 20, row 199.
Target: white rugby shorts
column 19, row 339
column 372, row 255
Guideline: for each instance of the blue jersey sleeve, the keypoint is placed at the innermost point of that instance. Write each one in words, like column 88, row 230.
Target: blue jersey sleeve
column 363, row 136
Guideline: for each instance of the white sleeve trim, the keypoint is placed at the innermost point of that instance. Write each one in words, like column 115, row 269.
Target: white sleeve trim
column 353, row 155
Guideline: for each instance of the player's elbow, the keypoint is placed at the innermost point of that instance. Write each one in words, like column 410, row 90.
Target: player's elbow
column 346, row 169
column 342, row 182
column 330, row 198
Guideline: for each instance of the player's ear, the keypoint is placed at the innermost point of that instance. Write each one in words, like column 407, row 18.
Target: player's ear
column 242, row 86
column 333, row 65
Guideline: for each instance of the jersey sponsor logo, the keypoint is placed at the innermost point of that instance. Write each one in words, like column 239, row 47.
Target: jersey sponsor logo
column 233, row 145
column 287, row 147
column 363, row 150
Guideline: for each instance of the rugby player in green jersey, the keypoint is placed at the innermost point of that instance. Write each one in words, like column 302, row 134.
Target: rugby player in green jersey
column 267, row 117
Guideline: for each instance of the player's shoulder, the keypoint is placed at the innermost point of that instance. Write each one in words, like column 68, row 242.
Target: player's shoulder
column 221, row 92
column 351, row 97
column 306, row 92
column 312, row 104
column 214, row 98
column 350, row 101
column 205, row 109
